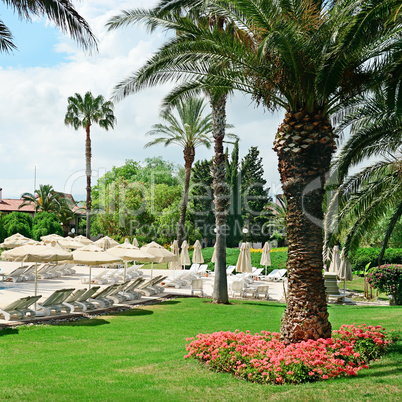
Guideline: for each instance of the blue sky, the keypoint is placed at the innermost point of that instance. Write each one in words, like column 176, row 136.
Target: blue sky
column 48, row 67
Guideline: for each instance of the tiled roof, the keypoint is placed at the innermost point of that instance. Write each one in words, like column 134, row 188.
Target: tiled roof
column 8, row 205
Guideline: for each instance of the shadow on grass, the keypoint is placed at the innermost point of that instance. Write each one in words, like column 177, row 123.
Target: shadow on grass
column 93, row 322
column 9, row 331
column 134, row 312
column 170, row 302
column 267, row 304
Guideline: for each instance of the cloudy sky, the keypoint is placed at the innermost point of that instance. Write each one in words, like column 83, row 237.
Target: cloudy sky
column 48, row 67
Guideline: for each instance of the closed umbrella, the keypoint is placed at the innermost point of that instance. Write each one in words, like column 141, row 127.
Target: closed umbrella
column 15, row 240
column 197, row 254
column 248, row 254
column 335, row 260
column 213, row 254
column 101, row 242
column 266, row 256
column 135, row 242
column 174, row 248
column 129, row 252
column 243, row 262
column 184, row 256
column 345, row 270
column 159, row 252
column 93, row 255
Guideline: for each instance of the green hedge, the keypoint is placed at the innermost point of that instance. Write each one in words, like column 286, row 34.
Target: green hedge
column 278, row 258
column 362, row 256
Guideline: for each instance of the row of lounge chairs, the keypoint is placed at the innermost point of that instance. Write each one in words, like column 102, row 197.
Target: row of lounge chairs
column 71, row 300
column 45, row 271
column 110, row 276
column 184, row 278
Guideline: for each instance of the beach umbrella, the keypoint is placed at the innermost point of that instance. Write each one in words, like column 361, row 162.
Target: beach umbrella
column 197, row 254
column 66, row 242
column 159, row 252
column 248, row 253
column 184, row 256
column 135, row 242
column 335, row 260
column 174, row 248
column 15, row 240
column 345, row 270
column 38, row 252
column 266, row 256
column 106, row 239
column 244, row 261
column 93, row 255
column 51, row 237
column 82, row 239
column 129, row 252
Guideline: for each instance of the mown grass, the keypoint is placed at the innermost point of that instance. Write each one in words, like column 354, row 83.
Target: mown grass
column 138, row 355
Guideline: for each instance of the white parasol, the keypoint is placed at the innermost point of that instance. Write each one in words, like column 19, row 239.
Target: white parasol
column 197, row 254
column 159, row 252
column 184, row 256
column 265, row 256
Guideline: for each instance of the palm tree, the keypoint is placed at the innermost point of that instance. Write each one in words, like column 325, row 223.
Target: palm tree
column 60, row 12
column 169, row 16
column 82, row 112
column 44, row 199
column 376, row 191
column 308, row 57
column 189, row 131
column 279, row 208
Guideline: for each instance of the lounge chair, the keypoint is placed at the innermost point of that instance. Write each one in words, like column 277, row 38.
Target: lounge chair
column 29, row 274
column 116, row 296
column 262, row 290
column 99, row 279
column 100, row 298
column 45, row 271
column 129, row 293
column 203, row 270
column 19, row 308
column 257, row 273
column 73, row 298
column 197, row 286
column 238, row 287
column 82, row 303
column 16, row 275
column 230, row 269
column 276, row 275
column 54, row 303
column 151, row 287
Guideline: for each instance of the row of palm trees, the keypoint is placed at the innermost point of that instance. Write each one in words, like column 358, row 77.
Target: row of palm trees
column 311, row 58
column 308, row 57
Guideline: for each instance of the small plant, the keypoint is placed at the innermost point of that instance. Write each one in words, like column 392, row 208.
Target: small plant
column 263, row 358
column 388, row 279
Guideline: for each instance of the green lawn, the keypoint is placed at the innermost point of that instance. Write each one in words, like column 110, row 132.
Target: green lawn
column 138, row 355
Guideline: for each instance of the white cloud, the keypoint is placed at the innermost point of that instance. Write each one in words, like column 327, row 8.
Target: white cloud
column 35, row 99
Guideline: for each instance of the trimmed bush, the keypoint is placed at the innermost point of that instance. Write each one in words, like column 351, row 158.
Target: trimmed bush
column 17, row 222
column 387, row 279
column 363, row 256
column 45, row 223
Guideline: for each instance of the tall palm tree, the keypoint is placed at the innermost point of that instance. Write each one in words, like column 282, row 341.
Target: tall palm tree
column 362, row 199
column 189, row 131
column 60, row 12
column 169, row 15
column 44, row 199
column 307, row 57
column 83, row 112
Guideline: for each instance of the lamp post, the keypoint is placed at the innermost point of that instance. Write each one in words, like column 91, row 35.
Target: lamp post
column 245, row 231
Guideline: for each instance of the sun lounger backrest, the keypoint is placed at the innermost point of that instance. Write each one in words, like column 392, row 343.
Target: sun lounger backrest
column 131, row 286
column 16, row 304
column 105, row 292
column 30, row 300
column 17, row 272
column 57, row 297
column 75, row 296
column 88, row 294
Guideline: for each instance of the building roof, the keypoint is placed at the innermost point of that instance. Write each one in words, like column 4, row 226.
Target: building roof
column 10, row 205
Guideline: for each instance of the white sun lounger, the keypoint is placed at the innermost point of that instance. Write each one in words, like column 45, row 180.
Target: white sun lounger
column 54, row 303
column 19, row 308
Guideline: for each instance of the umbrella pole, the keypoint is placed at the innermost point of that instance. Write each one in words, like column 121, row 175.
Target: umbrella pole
column 265, row 270
column 36, row 281
column 90, row 272
column 152, row 268
column 125, row 271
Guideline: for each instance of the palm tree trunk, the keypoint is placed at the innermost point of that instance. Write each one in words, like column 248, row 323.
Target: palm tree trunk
column 189, row 155
column 88, row 173
column 304, row 145
column 221, row 200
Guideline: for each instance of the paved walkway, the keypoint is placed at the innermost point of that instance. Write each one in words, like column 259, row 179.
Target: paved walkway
column 10, row 291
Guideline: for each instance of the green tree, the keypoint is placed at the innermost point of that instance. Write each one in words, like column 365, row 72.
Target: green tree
column 189, row 132
column 83, row 112
column 44, row 199
column 17, row 222
column 61, row 12
column 308, row 57
column 233, row 180
column 255, row 196
column 45, row 223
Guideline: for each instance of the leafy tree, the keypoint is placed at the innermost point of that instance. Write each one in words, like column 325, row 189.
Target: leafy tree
column 201, row 199
column 255, row 196
column 45, row 223
column 83, row 112
column 234, row 218
column 17, row 222
column 2, row 230
column 61, row 12
column 189, row 132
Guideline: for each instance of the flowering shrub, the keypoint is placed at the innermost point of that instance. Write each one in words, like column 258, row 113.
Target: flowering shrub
column 263, row 358
column 388, row 279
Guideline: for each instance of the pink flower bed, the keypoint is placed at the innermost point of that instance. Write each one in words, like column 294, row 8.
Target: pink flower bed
column 263, row 358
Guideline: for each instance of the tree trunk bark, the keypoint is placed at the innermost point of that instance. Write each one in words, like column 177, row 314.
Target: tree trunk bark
column 304, row 145
column 88, row 173
column 221, row 200
column 189, row 155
